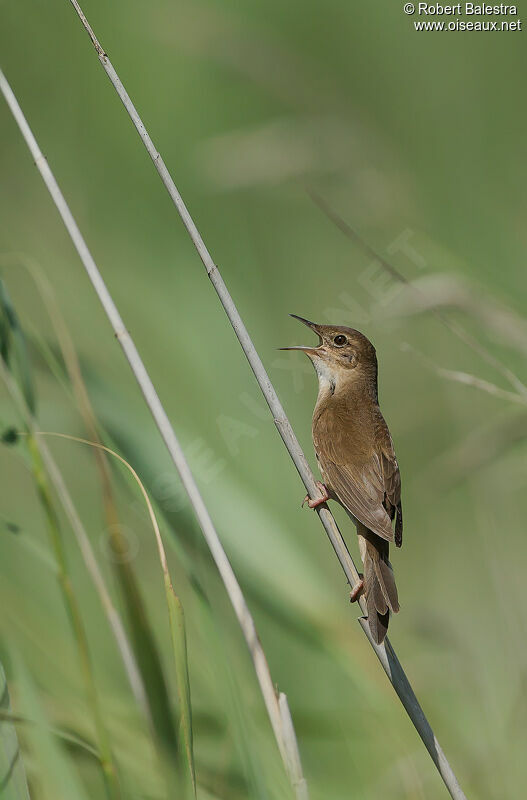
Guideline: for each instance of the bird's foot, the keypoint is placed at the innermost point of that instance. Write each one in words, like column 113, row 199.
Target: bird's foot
column 318, row 502
column 357, row 589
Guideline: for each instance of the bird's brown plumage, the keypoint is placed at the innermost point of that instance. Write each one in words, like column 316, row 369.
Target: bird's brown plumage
column 356, row 457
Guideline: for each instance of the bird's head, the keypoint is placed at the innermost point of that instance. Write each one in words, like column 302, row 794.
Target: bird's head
column 343, row 355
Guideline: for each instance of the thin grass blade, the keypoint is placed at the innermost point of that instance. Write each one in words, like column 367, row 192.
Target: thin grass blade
column 13, row 782
column 179, row 644
column 175, row 611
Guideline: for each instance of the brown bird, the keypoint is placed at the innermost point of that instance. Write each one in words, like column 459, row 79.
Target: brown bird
column 357, row 460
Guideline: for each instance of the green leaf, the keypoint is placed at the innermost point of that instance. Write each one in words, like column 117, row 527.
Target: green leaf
column 13, row 783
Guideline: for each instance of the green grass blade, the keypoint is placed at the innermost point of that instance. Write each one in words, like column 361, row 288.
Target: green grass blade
column 13, row 348
column 74, row 613
column 54, row 773
column 60, row 733
column 175, row 613
column 13, row 783
column 148, row 659
column 16, row 362
column 179, row 644
column 64, row 365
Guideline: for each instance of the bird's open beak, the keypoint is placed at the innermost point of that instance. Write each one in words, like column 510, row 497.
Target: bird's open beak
column 314, row 327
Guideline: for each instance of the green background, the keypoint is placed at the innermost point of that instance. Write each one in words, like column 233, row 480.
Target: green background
column 404, row 134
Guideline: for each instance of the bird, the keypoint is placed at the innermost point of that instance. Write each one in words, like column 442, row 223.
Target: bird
column 356, row 457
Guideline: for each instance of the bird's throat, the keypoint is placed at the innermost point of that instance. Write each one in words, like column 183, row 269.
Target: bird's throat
column 327, row 378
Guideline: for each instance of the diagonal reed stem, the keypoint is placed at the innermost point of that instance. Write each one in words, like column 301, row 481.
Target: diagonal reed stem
column 384, row 652
column 278, row 712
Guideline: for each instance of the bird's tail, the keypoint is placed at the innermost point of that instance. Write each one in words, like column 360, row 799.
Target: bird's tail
column 380, row 590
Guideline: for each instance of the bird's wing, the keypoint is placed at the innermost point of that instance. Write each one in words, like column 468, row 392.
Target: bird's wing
column 390, row 471
column 392, row 484
column 358, row 480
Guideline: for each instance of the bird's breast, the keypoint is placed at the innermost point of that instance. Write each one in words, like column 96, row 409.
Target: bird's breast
column 342, row 428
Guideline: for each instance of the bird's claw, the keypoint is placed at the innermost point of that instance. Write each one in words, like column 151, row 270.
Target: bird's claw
column 357, row 589
column 319, row 500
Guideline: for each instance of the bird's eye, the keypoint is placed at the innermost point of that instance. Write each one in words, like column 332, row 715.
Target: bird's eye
column 340, row 340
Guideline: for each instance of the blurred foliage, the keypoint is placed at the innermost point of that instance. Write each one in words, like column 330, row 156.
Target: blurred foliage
column 13, row 784
column 417, row 140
